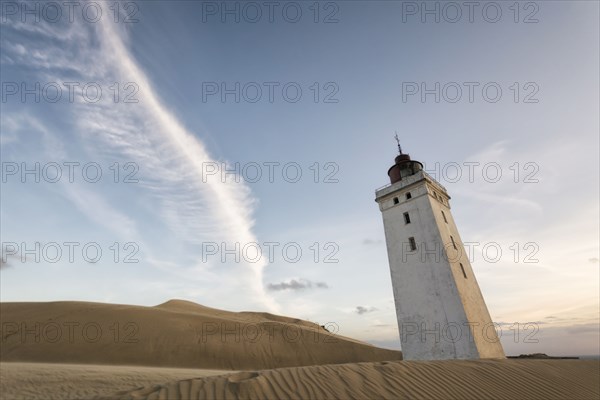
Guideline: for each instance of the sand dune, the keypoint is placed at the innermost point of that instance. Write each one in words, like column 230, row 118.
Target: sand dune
column 483, row 379
column 267, row 356
column 174, row 334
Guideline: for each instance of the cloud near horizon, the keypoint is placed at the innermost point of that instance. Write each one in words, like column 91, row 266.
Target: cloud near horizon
column 297, row 284
column 360, row 310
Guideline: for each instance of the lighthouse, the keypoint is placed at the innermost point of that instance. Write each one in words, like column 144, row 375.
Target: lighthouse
column 439, row 306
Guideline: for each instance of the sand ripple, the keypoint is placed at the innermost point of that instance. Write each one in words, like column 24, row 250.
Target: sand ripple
column 482, row 379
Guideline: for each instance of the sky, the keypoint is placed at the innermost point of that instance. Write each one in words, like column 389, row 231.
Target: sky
column 228, row 153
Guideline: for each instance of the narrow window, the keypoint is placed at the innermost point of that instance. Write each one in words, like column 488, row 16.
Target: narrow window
column 463, row 270
column 408, row 196
column 396, row 201
column 406, row 218
column 412, row 243
column 444, row 215
column 453, row 243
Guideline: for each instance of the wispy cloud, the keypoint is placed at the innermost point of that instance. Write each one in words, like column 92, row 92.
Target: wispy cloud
column 171, row 158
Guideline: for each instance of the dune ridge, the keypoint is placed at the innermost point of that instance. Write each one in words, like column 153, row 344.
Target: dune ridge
column 173, row 334
column 456, row 379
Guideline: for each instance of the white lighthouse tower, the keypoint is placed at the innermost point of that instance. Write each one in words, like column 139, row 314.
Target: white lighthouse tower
column 440, row 309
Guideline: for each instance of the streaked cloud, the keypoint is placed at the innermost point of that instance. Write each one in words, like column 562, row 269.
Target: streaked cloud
column 170, row 156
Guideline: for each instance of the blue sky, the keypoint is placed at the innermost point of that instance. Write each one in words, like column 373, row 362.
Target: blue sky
column 354, row 72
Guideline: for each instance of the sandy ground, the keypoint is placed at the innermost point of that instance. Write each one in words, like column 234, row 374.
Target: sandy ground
column 71, row 381
column 182, row 350
column 440, row 380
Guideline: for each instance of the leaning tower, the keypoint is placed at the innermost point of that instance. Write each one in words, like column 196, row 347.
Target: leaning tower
column 440, row 309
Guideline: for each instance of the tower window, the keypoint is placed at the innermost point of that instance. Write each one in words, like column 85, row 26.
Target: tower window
column 453, row 243
column 463, row 270
column 396, row 201
column 412, row 243
column 408, row 196
column 406, row 218
column 444, row 215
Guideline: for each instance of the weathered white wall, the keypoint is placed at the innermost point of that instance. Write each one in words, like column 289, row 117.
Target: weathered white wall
column 441, row 315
